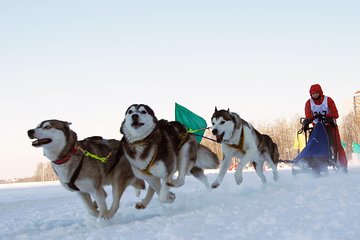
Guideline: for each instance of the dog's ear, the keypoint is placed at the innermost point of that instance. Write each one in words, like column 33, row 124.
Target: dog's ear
column 121, row 127
column 237, row 120
column 67, row 125
column 216, row 109
column 228, row 110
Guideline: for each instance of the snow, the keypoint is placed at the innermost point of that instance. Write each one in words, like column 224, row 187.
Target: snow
column 294, row 208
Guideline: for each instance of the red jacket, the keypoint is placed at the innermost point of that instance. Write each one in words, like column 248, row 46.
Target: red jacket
column 331, row 104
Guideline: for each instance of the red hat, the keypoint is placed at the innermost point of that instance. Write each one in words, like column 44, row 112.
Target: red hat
column 316, row 88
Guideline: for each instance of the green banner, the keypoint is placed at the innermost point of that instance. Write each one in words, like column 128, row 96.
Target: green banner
column 356, row 147
column 193, row 122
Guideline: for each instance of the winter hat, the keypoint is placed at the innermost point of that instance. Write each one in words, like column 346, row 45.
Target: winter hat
column 316, row 88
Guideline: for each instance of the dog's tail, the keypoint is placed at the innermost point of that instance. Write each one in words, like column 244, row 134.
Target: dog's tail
column 275, row 154
column 206, row 158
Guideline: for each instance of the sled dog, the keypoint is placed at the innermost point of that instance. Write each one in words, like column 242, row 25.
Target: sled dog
column 240, row 139
column 157, row 149
column 86, row 166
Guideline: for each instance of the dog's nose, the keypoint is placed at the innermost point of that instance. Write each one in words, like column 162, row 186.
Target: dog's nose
column 214, row 131
column 135, row 117
column 31, row 133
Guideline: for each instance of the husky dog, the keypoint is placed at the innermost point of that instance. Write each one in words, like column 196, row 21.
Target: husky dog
column 157, row 149
column 240, row 139
column 78, row 165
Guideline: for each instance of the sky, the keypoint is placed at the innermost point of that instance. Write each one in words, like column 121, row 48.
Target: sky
column 86, row 62
column 294, row 208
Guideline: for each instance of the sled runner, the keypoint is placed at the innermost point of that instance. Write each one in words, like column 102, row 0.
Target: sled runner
column 320, row 150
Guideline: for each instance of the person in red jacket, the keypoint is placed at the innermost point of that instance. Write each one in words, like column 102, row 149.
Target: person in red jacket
column 319, row 104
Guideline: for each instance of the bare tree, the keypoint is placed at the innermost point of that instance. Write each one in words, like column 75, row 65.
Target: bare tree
column 350, row 131
column 44, row 172
column 214, row 146
column 283, row 133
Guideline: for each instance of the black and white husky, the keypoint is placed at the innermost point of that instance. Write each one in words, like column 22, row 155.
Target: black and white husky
column 157, row 149
column 240, row 139
column 78, row 165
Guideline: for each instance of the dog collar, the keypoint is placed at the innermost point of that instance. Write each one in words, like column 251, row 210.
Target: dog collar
column 66, row 158
column 239, row 146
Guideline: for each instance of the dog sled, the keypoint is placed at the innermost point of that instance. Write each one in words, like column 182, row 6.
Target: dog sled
column 320, row 151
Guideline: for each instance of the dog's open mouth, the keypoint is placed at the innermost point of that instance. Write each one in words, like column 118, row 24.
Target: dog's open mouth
column 137, row 124
column 220, row 138
column 40, row 142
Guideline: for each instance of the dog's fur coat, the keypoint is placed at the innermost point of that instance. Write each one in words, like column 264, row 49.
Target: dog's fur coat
column 240, row 139
column 79, row 172
column 157, row 149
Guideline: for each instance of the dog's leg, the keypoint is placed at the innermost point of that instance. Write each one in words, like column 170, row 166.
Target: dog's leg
column 239, row 169
column 273, row 167
column 155, row 184
column 90, row 207
column 186, row 157
column 118, row 189
column 238, row 172
column 224, row 166
column 94, row 202
column 198, row 173
column 166, row 196
column 138, row 185
column 161, row 189
column 100, row 201
column 259, row 170
column 149, row 195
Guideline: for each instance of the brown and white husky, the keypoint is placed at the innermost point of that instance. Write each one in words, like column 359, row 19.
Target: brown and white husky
column 157, row 149
column 78, row 165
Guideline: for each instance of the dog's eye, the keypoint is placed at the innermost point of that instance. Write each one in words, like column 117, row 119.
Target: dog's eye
column 130, row 111
column 143, row 112
column 222, row 122
column 47, row 127
column 213, row 123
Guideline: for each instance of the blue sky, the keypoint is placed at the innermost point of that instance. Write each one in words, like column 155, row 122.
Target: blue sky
column 87, row 61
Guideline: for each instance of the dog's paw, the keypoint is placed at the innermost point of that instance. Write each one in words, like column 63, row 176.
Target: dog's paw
column 140, row 205
column 238, row 177
column 107, row 215
column 238, row 180
column 276, row 177
column 175, row 183
column 215, row 184
column 171, row 197
column 170, row 183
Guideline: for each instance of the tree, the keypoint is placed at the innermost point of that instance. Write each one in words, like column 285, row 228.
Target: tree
column 350, row 131
column 283, row 133
column 44, row 172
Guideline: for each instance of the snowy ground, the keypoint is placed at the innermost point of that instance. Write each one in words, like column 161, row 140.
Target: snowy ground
column 295, row 208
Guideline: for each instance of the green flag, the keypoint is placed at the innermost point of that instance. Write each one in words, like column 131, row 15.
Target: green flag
column 356, row 147
column 193, row 122
column 343, row 144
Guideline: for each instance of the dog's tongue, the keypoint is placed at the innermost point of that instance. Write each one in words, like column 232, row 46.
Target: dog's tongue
column 39, row 142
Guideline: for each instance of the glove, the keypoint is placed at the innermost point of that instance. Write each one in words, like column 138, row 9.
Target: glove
column 329, row 120
column 306, row 123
